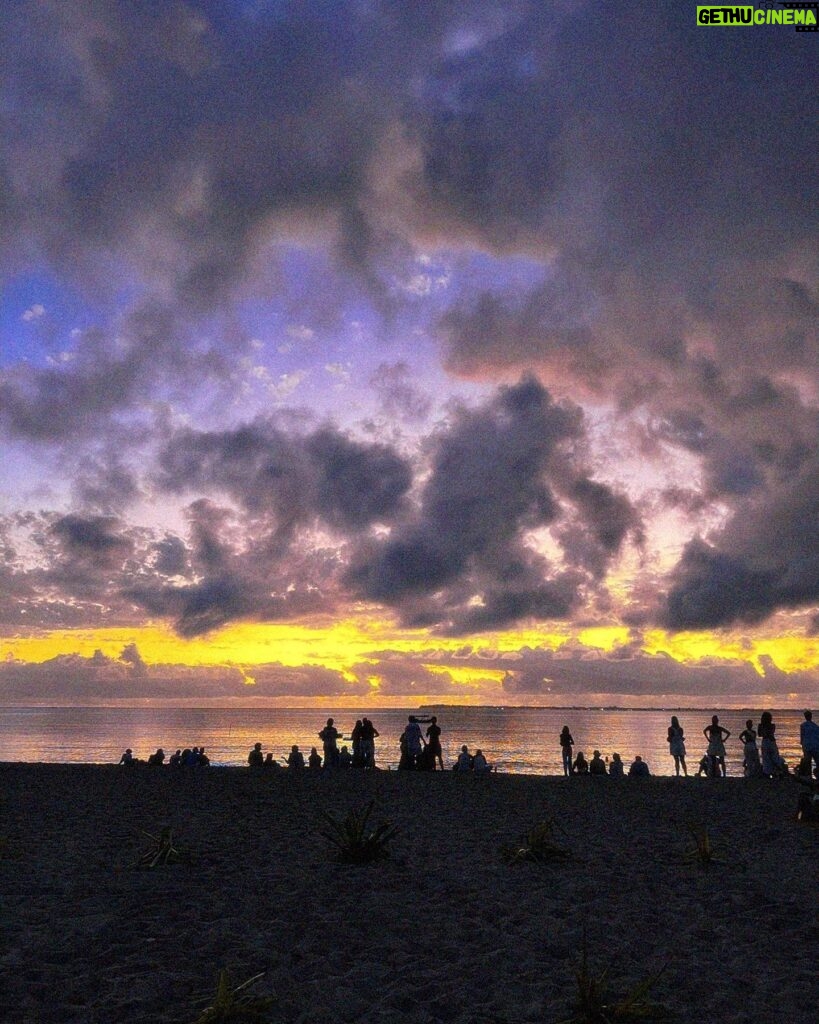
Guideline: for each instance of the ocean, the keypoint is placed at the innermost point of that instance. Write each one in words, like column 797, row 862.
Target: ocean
column 521, row 740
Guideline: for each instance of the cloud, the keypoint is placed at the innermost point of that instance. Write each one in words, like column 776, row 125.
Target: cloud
column 462, row 562
column 765, row 558
column 400, row 398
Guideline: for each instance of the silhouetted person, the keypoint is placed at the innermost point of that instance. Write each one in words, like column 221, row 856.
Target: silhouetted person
column 616, row 768
column 295, row 759
column 581, row 765
column 355, row 737
column 464, row 762
column 676, row 746
column 750, row 753
column 809, row 738
column 329, row 737
column 190, row 758
column 175, row 760
column 638, row 769
column 434, row 750
column 716, row 736
column 204, row 760
column 158, row 757
column 269, row 761
column 413, row 739
column 127, row 758
column 345, row 758
column 368, row 735
column 597, row 766
column 479, row 763
column 255, row 758
column 314, row 760
column 566, row 744
column 772, row 763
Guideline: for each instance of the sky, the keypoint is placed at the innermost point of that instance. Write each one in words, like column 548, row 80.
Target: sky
column 371, row 352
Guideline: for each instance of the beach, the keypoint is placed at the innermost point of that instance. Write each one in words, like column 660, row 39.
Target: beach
column 444, row 930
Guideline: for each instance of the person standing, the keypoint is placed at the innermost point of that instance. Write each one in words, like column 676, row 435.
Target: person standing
column 414, row 741
column 676, row 745
column 750, row 753
column 809, row 738
column 434, row 749
column 772, row 763
column 566, row 744
column 368, row 735
column 716, row 735
column 329, row 736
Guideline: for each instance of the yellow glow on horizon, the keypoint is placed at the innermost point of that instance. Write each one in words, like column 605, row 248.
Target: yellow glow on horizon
column 334, row 644
column 788, row 653
column 467, row 675
column 604, row 637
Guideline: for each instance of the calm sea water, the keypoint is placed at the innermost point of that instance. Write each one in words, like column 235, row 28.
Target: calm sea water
column 523, row 740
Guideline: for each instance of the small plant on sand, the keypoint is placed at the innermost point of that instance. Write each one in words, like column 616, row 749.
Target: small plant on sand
column 703, row 852
column 161, row 850
column 537, row 845
column 594, row 1004
column 354, row 841
column 233, row 1005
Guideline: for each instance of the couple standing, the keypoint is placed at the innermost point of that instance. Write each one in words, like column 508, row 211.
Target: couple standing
column 420, row 753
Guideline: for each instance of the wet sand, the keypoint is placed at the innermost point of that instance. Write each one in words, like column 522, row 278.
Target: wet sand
column 444, row 930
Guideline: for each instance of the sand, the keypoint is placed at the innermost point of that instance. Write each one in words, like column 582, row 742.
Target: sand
column 444, row 930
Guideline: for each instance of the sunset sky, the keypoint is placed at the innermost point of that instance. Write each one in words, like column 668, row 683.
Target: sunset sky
column 382, row 352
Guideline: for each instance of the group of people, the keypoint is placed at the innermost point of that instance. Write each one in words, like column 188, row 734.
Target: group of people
column 763, row 760
column 757, row 761
column 190, row 757
column 578, row 765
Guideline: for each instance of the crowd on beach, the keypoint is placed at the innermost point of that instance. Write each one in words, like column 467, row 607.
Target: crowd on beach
column 757, row 761
column 420, row 750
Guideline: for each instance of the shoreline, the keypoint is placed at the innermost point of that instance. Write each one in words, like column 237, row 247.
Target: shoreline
column 444, row 931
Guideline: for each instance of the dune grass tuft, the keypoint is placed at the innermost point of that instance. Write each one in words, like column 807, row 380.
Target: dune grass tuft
column 355, row 842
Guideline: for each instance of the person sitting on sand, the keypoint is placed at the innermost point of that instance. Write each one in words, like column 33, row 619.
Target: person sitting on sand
column 204, row 760
column 269, row 761
column 295, row 759
column 464, row 762
column 750, row 754
column 581, row 765
column 128, row 758
column 479, row 763
column 255, row 758
column 676, row 745
column 716, row 736
column 329, row 736
column 597, row 766
column 190, row 758
column 616, row 768
column 314, row 760
column 638, row 769
column 158, row 757
column 175, row 760
column 345, row 759
column 566, row 744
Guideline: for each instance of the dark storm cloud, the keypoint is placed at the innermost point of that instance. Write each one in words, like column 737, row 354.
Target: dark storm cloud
column 766, row 557
column 461, row 563
column 291, row 478
column 92, row 540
